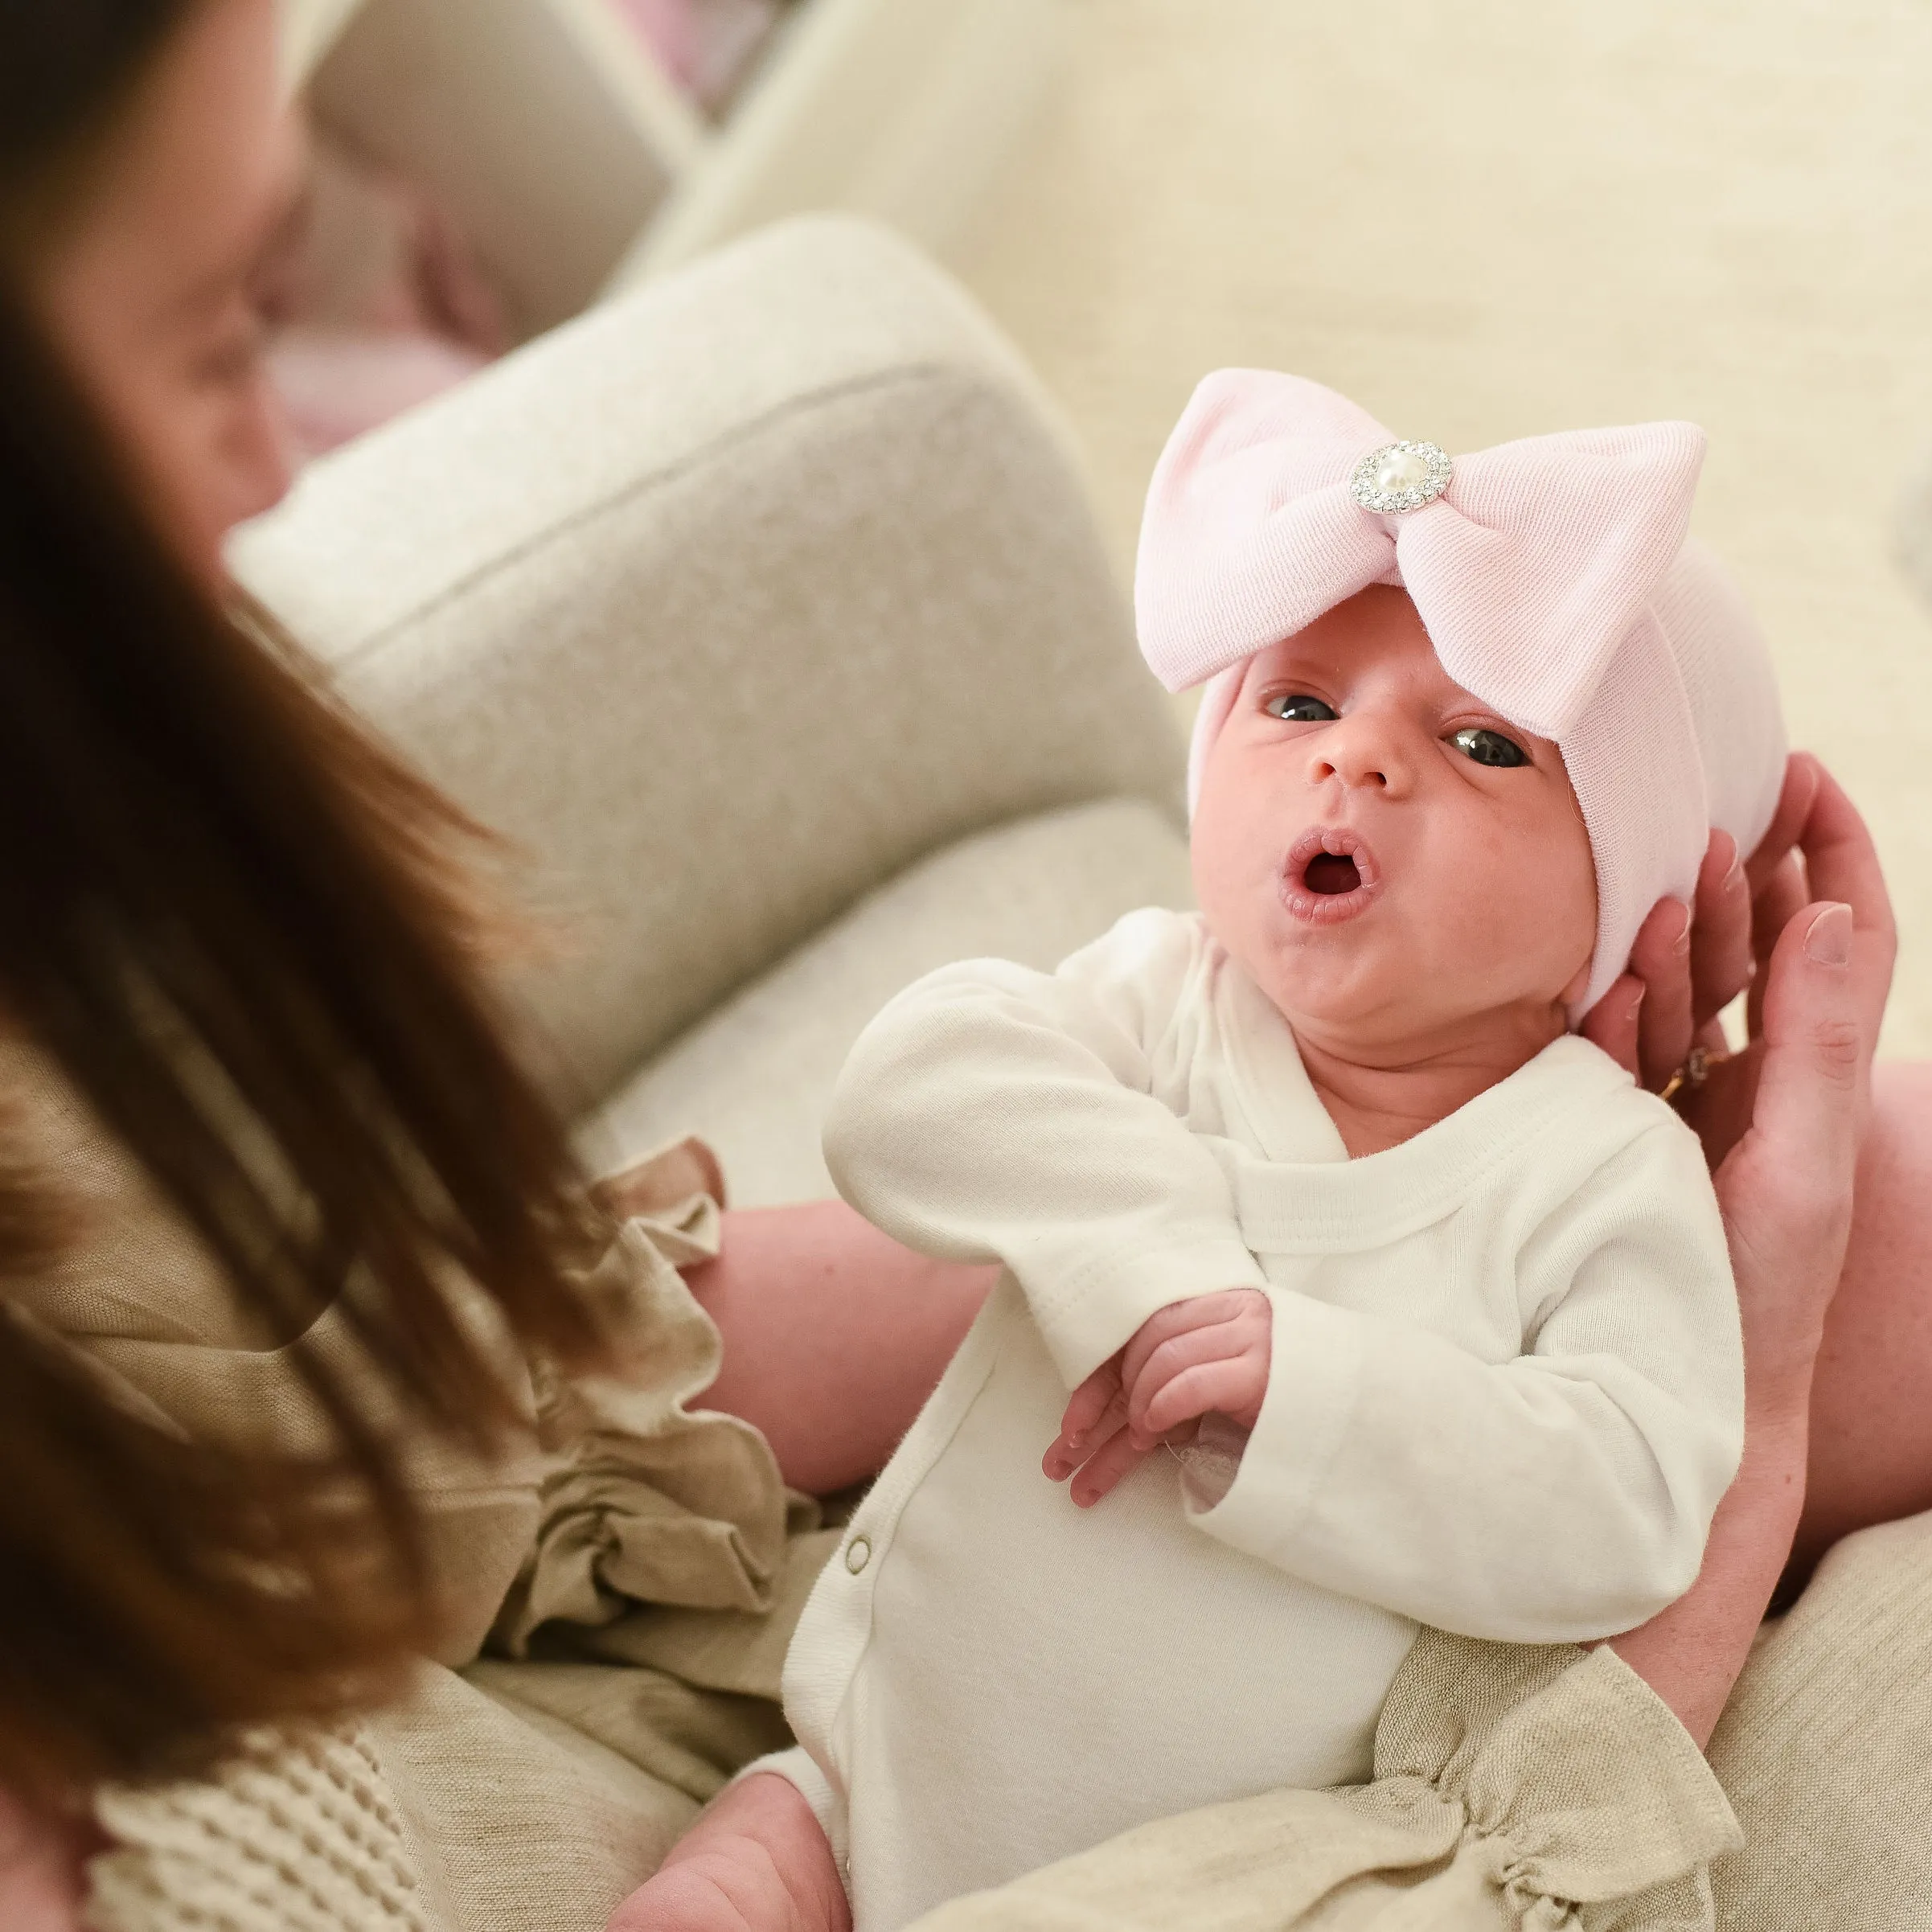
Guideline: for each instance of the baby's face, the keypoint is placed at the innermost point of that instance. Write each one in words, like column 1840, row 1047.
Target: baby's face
column 1394, row 864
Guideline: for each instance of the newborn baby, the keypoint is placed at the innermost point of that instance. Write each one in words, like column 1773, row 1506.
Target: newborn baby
column 1323, row 1164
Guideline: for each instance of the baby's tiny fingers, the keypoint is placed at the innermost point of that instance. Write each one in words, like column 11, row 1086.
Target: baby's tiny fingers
column 1068, row 1453
column 1171, row 1358
column 1232, row 1388
column 1178, row 1319
column 1115, row 1458
column 1089, row 1407
column 1095, row 1413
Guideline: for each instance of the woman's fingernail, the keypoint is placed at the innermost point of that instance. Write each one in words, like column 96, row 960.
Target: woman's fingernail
column 1734, row 878
column 1827, row 941
column 1682, row 942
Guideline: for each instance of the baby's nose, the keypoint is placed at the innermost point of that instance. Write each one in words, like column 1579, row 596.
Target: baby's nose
column 1360, row 751
column 1357, row 771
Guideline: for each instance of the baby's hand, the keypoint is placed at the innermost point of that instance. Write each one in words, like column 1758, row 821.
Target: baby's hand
column 1093, row 1440
column 1206, row 1356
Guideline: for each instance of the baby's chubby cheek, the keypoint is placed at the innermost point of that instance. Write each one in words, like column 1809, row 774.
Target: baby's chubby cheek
column 1237, row 855
column 1507, row 913
column 1475, row 909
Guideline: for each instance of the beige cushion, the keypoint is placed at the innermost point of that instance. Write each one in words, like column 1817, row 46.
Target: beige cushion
column 808, row 589
column 754, row 1077
column 1826, row 1749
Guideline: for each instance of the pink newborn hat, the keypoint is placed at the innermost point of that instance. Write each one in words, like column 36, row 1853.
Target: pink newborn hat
column 1553, row 577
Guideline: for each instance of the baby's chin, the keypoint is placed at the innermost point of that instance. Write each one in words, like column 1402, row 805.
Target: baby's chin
column 1339, row 979
column 1383, row 999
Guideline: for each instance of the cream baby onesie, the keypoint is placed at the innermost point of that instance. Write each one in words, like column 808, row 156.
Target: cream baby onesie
column 1506, row 1395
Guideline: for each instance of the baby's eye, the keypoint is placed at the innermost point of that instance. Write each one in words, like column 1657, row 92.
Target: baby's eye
column 1489, row 747
column 1297, row 707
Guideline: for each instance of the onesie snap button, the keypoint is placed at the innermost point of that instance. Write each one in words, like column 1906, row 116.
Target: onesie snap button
column 858, row 1554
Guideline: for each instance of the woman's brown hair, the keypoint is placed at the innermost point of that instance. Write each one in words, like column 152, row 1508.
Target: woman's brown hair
column 234, row 922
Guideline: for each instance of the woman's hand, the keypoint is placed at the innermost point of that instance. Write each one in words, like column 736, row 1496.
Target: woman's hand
column 1782, row 1123
column 1783, row 1156
column 1690, row 962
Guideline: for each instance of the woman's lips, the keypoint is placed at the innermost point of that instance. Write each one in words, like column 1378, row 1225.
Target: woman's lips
column 1331, row 875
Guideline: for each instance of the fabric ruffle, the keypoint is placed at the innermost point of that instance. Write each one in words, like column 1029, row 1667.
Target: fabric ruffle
column 646, row 1499
column 1517, row 1790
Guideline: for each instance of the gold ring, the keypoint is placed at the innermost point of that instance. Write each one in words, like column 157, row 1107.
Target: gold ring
column 1694, row 1072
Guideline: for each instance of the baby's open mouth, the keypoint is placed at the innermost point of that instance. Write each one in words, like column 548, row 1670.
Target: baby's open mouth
column 1330, row 874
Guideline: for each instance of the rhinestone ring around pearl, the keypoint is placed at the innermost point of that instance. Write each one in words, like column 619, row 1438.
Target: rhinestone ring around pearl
column 1399, row 476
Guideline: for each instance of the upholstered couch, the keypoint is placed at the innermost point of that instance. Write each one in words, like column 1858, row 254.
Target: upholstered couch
column 794, row 669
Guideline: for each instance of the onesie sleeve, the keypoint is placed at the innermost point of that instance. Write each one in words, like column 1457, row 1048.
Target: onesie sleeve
column 992, row 1113
column 1560, row 1497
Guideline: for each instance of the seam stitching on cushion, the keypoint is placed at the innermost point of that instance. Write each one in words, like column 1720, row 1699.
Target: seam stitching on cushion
column 906, row 375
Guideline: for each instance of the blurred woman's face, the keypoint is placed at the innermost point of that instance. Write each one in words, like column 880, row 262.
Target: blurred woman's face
column 150, row 284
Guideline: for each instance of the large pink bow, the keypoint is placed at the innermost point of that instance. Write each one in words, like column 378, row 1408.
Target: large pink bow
column 1527, row 571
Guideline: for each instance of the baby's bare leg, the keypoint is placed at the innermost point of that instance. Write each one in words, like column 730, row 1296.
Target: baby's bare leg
column 1871, row 1453
column 756, row 1861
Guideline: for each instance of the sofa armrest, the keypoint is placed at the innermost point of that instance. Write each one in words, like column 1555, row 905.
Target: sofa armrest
column 725, row 603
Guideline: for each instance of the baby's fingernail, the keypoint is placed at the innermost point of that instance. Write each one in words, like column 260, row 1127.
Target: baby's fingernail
column 1828, row 940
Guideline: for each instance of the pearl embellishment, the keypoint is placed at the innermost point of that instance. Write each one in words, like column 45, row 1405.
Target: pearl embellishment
column 1399, row 476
